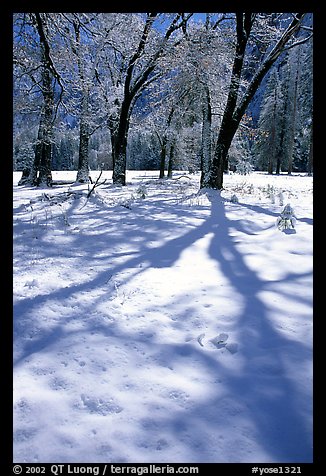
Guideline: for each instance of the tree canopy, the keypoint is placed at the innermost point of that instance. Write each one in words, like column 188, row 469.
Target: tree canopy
column 206, row 92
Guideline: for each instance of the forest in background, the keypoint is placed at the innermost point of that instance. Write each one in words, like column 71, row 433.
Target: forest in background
column 162, row 91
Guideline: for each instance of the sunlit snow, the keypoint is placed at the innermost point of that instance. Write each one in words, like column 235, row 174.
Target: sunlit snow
column 171, row 328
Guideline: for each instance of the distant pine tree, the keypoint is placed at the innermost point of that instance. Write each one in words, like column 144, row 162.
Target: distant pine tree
column 270, row 123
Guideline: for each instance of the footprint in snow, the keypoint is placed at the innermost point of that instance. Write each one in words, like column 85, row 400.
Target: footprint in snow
column 31, row 284
column 99, row 405
column 217, row 342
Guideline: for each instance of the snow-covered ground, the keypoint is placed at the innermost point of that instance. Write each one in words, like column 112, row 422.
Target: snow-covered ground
column 171, row 328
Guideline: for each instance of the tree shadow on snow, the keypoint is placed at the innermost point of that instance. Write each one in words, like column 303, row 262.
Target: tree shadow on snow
column 274, row 404
column 271, row 399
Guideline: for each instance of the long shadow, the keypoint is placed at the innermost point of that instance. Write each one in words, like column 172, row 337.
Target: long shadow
column 309, row 221
column 273, row 400
column 144, row 256
column 140, row 259
column 275, row 404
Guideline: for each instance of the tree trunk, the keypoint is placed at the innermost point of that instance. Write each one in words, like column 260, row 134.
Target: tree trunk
column 32, row 178
column 233, row 113
column 45, row 174
column 226, row 134
column 171, row 160
column 84, row 135
column 279, row 154
column 120, row 160
column 40, row 173
column 134, row 84
column 217, row 168
column 229, row 124
column 270, row 166
column 206, row 147
column 164, row 143
column 112, row 129
column 119, row 152
column 163, row 157
column 83, row 167
column 25, row 176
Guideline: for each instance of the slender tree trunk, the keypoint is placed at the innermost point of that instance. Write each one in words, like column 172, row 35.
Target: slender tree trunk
column 45, row 174
column 112, row 129
column 226, row 134
column 226, row 163
column 279, row 154
column 164, row 143
column 270, row 166
column 162, row 162
column 83, row 165
column 206, row 147
column 171, row 160
column 278, row 164
column 163, row 157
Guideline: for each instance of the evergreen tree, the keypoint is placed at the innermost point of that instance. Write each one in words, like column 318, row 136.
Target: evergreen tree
column 302, row 156
column 270, row 123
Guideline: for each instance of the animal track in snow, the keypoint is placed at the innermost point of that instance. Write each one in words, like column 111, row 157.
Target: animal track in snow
column 200, row 339
column 217, row 342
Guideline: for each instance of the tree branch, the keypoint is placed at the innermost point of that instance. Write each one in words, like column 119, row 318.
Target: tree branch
column 266, row 65
column 299, row 42
column 46, row 46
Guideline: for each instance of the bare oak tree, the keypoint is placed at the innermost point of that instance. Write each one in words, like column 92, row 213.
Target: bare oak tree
column 235, row 106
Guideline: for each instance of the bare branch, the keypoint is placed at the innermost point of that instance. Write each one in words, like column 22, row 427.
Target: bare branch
column 299, row 42
column 96, row 184
column 290, row 31
column 222, row 18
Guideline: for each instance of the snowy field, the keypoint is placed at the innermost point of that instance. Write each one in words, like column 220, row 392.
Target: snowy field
column 155, row 324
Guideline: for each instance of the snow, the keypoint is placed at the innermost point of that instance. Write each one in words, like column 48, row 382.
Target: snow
column 171, row 328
